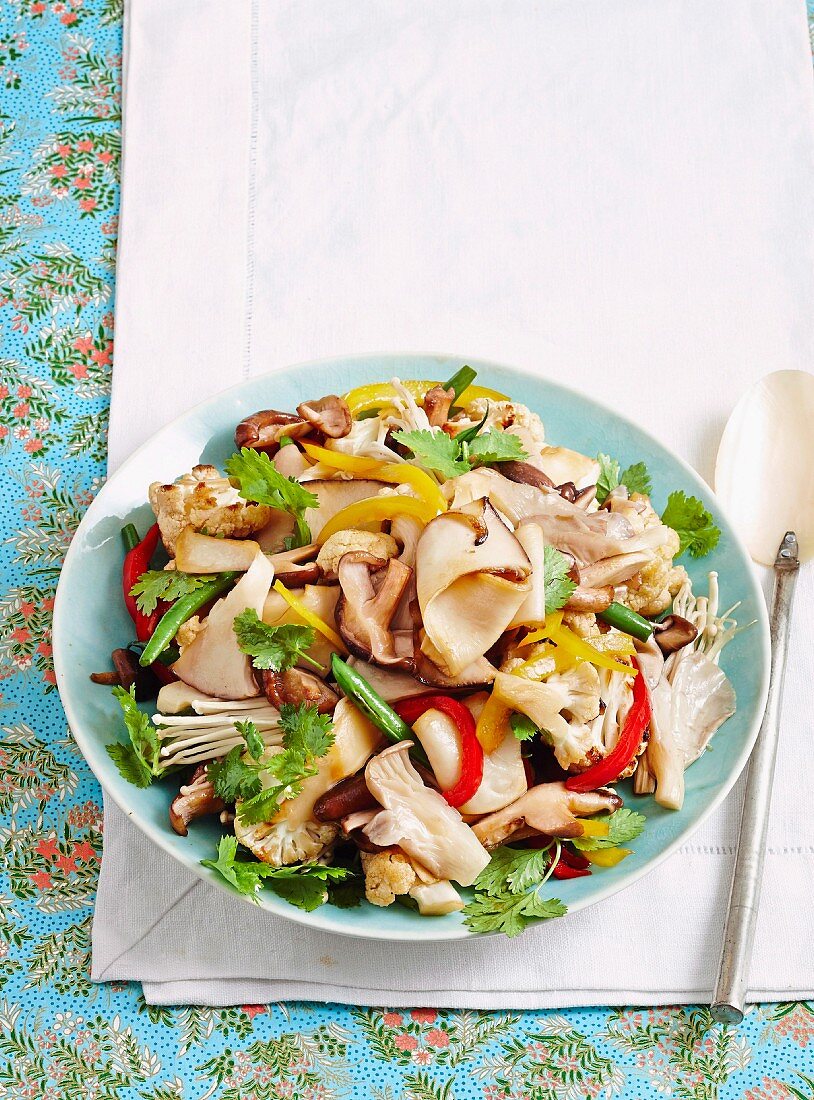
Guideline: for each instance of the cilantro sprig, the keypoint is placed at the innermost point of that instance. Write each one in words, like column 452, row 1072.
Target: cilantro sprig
column 139, row 760
column 262, row 785
column 165, row 585
column 274, row 647
column 694, row 524
column 558, row 585
column 523, row 727
column 635, row 478
column 453, row 457
column 305, row 885
column 623, row 826
column 507, row 891
column 259, row 480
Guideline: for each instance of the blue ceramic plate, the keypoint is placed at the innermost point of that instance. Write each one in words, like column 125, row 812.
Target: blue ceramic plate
column 90, row 619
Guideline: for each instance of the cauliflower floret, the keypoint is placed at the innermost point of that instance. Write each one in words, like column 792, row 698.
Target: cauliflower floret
column 387, row 874
column 650, row 591
column 282, row 843
column 187, row 632
column 581, row 622
column 204, row 498
column 344, row 542
column 563, row 707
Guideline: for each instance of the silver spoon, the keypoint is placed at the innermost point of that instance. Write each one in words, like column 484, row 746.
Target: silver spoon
column 764, row 476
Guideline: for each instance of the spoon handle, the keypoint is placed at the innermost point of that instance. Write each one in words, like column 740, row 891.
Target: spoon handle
column 744, row 898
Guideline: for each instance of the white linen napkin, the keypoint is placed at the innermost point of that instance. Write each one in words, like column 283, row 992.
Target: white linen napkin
column 614, row 195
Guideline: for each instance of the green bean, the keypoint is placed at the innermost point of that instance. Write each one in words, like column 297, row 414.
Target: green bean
column 380, row 713
column 616, row 614
column 130, row 537
column 178, row 614
column 460, row 381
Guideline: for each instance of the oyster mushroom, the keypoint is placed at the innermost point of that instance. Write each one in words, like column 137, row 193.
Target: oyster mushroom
column 195, row 799
column 472, row 575
column 419, row 820
column 549, row 808
column 263, row 430
column 371, row 589
column 329, row 415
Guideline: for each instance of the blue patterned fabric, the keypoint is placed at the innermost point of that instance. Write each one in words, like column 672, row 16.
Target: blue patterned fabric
column 61, row 1036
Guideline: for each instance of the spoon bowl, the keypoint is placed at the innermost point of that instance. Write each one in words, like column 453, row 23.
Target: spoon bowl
column 764, row 475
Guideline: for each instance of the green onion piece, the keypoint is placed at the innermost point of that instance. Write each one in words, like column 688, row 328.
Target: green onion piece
column 616, row 614
column 130, row 537
column 460, row 381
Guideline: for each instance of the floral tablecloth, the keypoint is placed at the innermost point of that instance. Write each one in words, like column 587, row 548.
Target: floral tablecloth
column 60, row 1036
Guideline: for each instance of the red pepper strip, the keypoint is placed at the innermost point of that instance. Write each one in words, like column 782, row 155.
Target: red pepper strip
column 471, row 752
column 564, row 870
column 609, row 769
column 574, row 859
column 136, row 562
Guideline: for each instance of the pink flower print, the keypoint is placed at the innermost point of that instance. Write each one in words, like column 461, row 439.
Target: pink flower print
column 3, row 431
column 406, row 1042
column 392, row 1019
column 78, row 370
column 58, row 171
column 422, row 1057
column 38, row 7
column 83, row 344
column 27, row 609
column 48, row 604
column 437, row 1037
column 44, row 649
column 3, row 391
column 64, row 150
column 50, row 677
column 424, row 1015
column 84, row 146
column 106, row 157
column 253, row 1010
column 33, row 445
column 42, row 880
column 103, row 357
column 68, row 18
column 87, row 204
column 21, row 411
column 22, row 635
column 81, row 182
column 23, row 392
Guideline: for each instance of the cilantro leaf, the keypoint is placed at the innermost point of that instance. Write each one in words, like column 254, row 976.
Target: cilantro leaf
column 496, row 446
column 165, row 585
column 558, row 585
column 139, row 762
column 435, row 450
column 523, row 727
column 251, row 735
column 694, row 524
column 623, row 826
column 509, row 913
column 233, row 778
column 608, row 477
column 348, row 893
column 275, row 647
column 303, row 884
column 307, row 736
column 636, row 479
column 258, row 479
column 530, row 870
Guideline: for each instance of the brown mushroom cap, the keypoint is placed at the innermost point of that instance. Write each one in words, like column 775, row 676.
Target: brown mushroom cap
column 296, row 686
column 195, row 799
column 549, row 808
column 371, row 589
column 298, row 567
column 673, row 633
column 350, row 796
column 330, row 415
column 263, row 430
column 437, row 402
column 526, row 474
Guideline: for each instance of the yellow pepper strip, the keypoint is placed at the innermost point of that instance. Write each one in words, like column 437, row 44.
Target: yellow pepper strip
column 375, row 509
column 565, row 638
column 364, row 398
column 606, row 857
column 395, row 473
column 308, row 616
column 590, row 827
column 338, row 460
column 492, row 724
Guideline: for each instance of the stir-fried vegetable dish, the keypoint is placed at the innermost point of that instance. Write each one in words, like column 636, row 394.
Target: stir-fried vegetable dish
column 404, row 649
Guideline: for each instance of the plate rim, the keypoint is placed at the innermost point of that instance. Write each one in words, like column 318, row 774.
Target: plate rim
column 268, row 900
